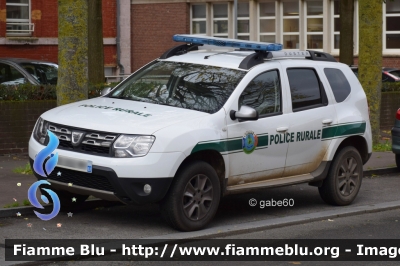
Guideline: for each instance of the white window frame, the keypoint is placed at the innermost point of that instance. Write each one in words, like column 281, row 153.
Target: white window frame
column 385, row 32
column 332, row 28
column 259, row 18
column 282, row 17
column 27, row 22
column 244, row 18
column 198, row 19
column 227, row 19
column 306, row 32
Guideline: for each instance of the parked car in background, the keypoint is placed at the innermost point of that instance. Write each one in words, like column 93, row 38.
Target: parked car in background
column 396, row 138
column 14, row 71
column 388, row 74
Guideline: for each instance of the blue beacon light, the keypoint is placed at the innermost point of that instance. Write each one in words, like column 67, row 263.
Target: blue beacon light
column 257, row 46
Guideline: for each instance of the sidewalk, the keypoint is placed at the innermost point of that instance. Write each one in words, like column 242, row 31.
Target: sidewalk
column 9, row 190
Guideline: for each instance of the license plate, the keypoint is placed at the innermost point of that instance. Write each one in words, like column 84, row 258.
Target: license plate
column 75, row 164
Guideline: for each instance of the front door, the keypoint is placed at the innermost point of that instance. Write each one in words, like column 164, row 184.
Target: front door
column 257, row 152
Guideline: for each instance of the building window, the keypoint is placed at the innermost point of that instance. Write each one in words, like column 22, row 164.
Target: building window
column 392, row 28
column 220, row 20
column 243, row 21
column 199, row 19
column 291, row 25
column 267, row 28
column 336, row 24
column 18, row 18
column 314, row 22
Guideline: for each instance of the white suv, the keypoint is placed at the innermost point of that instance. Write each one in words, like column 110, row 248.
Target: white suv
column 195, row 125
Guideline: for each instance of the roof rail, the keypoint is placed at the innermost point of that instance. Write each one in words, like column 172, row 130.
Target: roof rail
column 180, row 49
column 259, row 56
column 253, row 59
column 320, row 56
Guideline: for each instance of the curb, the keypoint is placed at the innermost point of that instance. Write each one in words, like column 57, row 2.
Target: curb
column 381, row 171
column 229, row 230
column 89, row 204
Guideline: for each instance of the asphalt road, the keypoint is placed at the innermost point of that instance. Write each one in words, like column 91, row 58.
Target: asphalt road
column 133, row 222
column 382, row 225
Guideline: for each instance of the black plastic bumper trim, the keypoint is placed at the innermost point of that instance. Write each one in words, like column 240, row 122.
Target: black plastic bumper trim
column 396, row 131
column 128, row 190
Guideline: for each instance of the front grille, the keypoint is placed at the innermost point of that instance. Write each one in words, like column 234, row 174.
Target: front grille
column 81, row 179
column 83, row 140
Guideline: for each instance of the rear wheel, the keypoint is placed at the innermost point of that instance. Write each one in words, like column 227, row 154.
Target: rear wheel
column 344, row 179
column 193, row 198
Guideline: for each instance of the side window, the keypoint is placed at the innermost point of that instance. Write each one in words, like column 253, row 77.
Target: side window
column 263, row 93
column 10, row 76
column 339, row 84
column 306, row 89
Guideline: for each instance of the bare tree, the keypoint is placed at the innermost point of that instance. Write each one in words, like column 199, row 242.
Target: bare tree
column 346, row 31
column 370, row 58
column 72, row 84
column 95, row 42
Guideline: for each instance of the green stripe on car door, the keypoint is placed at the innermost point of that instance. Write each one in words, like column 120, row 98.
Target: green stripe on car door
column 229, row 145
column 343, row 130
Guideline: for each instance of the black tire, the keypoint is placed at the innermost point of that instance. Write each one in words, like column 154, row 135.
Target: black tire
column 66, row 198
column 343, row 182
column 398, row 161
column 193, row 198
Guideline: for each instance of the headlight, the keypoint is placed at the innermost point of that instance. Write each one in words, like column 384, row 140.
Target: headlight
column 40, row 130
column 127, row 146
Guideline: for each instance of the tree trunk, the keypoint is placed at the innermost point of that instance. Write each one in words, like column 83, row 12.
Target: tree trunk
column 95, row 41
column 346, row 32
column 370, row 58
column 72, row 82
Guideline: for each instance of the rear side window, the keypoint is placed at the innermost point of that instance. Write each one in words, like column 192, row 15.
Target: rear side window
column 339, row 84
column 306, row 89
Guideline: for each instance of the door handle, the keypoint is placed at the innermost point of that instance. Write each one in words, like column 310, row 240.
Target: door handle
column 282, row 129
column 327, row 121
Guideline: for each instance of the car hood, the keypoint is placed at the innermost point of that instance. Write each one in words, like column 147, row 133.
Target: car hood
column 119, row 116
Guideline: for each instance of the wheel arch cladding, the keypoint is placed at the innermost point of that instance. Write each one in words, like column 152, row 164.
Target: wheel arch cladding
column 357, row 142
column 211, row 157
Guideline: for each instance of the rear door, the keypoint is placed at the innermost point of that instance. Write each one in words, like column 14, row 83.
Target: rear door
column 311, row 112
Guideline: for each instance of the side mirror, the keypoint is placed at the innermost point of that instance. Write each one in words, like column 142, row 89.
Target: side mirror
column 105, row 91
column 244, row 114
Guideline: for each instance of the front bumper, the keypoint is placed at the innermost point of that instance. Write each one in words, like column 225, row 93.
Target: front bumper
column 396, row 140
column 115, row 179
column 104, row 183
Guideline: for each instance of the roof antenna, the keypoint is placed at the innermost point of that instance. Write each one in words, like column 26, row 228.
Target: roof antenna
column 207, row 56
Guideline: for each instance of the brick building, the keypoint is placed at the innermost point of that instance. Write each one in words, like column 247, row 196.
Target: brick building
column 29, row 29
column 137, row 31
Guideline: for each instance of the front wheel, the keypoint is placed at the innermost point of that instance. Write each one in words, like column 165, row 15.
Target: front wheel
column 193, row 198
column 344, row 179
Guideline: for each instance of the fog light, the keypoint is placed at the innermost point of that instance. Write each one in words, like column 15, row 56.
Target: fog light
column 147, row 189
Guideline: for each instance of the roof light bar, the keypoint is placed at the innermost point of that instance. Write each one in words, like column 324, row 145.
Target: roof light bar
column 257, row 46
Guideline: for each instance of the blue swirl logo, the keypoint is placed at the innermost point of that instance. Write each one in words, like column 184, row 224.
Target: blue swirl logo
column 43, row 155
column 45, row 170
column 32, row 198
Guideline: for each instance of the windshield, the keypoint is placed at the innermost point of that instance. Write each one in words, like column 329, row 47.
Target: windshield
column 190, row 86
column 44, row 73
